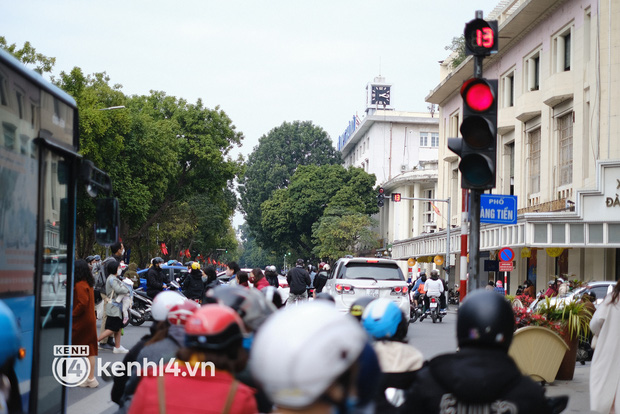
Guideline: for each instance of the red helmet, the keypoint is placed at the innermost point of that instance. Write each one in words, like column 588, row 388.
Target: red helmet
column 179, row 314
column 214, row 327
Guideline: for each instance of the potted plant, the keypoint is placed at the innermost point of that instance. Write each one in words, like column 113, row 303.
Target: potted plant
column 573, row 319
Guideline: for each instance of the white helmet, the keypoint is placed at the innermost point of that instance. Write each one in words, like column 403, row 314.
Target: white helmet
column 280, row 359
column 163, row 302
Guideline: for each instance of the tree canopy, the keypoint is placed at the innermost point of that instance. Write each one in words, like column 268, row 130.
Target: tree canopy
column 289, row 215
column 274, row 161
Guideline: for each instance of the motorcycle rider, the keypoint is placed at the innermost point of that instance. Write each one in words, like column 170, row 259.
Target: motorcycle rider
column 481, row 377
column 399, row 361
column 194, row 283
column 155, row 279
column 343, row 379
column 433, row 288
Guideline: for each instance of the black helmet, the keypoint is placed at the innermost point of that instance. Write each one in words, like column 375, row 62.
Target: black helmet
column 251, row 305
column 325, row 296
column 357, row 308
column 485, row 319
column 157, row 260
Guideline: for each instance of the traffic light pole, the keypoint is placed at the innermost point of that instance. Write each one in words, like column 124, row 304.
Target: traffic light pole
column 474, row 241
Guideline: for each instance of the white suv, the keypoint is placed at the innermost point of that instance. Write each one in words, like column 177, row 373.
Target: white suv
column 352, row 278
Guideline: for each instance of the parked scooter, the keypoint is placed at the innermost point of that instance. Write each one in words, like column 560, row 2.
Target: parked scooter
column 140, row 312
column 454, row 295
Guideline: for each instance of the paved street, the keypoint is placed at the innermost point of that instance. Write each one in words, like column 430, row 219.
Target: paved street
column 431, row 339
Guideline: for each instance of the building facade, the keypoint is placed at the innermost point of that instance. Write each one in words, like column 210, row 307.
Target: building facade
column 558, row 148
column 400, row 149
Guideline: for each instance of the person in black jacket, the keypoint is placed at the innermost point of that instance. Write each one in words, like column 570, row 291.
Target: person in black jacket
column 320, row 279
column 481, row 377
column 155, row 280
column 193, row 285
column 298, row 279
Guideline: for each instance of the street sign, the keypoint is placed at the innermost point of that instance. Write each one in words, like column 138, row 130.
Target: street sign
column 411, row 261
column 500, row 209
column 506, row 254
column 506, row 266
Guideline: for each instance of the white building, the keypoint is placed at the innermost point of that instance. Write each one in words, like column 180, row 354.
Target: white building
column 558, row 68
column 400, row 148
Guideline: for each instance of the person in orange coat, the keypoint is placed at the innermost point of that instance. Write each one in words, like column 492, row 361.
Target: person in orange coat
column 84, row 328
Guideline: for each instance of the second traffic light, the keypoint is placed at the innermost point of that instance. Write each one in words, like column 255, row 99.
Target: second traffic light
column 478, row 146
column 381, row 197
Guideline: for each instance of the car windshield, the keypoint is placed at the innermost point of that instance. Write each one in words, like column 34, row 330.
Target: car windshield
column 376, row 271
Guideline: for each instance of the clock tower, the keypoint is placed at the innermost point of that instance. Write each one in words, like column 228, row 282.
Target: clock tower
column 378, row 95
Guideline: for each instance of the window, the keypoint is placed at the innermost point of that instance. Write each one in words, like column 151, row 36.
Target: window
column 3, row 91
column 532, row 72
column 423, row 139
column 507, row 91
column 455, row 123
column 8, row 131
column 562, row 51
column 20, row 104
column 534, row 167
column 587, row 22
column 565, row 143
column 434, row 139
column 428, row 209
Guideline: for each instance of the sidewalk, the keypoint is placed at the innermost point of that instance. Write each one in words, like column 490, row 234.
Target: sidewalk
column 577, row 390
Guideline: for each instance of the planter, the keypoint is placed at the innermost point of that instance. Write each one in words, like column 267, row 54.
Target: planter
column 538, row 352
column 567, row 367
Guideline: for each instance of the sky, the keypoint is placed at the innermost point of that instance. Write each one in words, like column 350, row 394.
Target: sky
column 263, row 62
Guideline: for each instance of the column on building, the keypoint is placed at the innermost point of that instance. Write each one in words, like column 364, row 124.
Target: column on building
column 417, row 210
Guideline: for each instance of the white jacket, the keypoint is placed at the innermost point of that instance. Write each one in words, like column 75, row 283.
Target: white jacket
column 433, row 287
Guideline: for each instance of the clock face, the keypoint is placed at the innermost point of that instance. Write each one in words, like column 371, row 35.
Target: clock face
column 380, row 95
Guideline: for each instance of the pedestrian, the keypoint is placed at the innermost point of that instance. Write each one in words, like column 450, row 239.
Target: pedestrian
column 232, row 269
column 552, row 290
column 563, row 287
column 272, row 276
column 114, row 323
column 213, row 335
column 399, row 361
column 312, row 273
column 243, row 279
column 298, row 279
column 529, row 290
column 490, row 286
column 211, row 282
column 604, row 373
column 84, row 327
column 481, row 377
column 312, row 358
column 499, row 288
column 321, row 279
column 155, row 278
column 194, row 283
column 258, row 280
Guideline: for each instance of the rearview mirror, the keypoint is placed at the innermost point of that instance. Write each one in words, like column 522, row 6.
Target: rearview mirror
column 107, row 222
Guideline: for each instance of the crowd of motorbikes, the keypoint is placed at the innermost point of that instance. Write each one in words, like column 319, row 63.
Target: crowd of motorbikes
column 432, row 307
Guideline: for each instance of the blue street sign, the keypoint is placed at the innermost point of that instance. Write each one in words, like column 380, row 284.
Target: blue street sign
column 500, row 209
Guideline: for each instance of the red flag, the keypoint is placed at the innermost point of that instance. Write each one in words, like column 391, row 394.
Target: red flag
column 164, row 249
column 187, row 253
column 181, row 253
column 210, row 261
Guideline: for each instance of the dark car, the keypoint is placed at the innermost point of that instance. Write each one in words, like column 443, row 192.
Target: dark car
column 171, row 273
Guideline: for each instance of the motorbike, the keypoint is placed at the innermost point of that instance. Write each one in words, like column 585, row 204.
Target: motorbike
column 454, row 296
column 140, row 312
column 434, row 309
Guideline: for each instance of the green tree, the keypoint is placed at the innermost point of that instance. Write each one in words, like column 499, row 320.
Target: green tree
column 343, row 231
column 28, row 55
column 457, row 46
column 289, row 215
column 273, row 162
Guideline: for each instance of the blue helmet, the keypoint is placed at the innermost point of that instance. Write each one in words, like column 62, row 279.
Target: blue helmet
column 381, row 318
column 9, row 334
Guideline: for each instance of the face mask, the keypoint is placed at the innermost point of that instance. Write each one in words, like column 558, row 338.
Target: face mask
column 119, row 271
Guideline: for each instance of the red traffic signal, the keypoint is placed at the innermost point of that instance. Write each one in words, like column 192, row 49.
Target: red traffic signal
column 396, row 197
column 481, row 37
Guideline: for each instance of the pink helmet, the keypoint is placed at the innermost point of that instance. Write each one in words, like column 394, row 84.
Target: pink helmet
column 498, row 283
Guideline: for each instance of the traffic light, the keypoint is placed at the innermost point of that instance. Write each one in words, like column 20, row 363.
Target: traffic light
column 478, row 146
column 381, row 197
column 481, row 37
column 396, row 197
